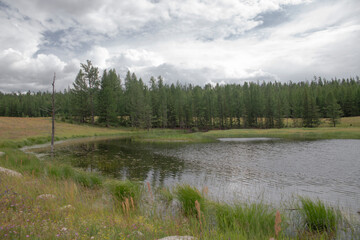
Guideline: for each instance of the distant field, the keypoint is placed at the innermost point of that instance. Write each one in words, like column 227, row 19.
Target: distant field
column 289, row 133
column 38, row 130
column 19, row 129
column 348, row 128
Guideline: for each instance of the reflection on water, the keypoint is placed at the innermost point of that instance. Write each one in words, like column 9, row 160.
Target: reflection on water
column 270, row 169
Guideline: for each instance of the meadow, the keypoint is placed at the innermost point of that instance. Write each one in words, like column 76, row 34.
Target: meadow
column 81, row 205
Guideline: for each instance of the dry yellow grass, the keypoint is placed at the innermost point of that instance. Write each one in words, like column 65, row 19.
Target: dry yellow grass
column 13, row 128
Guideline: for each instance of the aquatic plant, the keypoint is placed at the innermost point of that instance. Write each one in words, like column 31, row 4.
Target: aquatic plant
column 187, row 196
column 317, row 216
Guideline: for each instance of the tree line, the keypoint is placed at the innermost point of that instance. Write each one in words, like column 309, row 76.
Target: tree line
column 108, row 100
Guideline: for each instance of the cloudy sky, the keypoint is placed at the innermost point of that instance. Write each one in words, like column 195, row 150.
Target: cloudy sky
column 190, row 41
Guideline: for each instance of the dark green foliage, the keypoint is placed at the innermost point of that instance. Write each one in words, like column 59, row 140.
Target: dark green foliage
column 110, row 90
column 333, row 109
column 317, row 216
column 187, row 196
column 310, row 110
column 84, row 92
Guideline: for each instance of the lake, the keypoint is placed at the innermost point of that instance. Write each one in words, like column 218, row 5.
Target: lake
column 261, row 169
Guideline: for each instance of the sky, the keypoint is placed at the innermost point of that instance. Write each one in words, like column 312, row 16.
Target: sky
column 189, row 41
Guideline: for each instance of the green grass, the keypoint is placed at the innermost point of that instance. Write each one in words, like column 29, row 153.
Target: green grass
column 187, row 196
column 250, row 219
column 317, row 216
column 123, row 189
column 288, row 133
column 166, row 195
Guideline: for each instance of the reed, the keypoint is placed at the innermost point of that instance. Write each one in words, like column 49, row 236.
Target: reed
column 277, row 224
column 149, row 190
column 197, row 206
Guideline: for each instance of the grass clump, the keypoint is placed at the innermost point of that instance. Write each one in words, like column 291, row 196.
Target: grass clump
column 187, row 196
column 123, row 189
column 166, row 195
column 87, row 179
column 317, row 216
column 249, row 219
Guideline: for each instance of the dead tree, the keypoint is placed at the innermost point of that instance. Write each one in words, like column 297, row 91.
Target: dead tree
column 53, row 116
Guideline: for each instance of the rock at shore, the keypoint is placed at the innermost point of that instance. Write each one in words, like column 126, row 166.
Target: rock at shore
column 46, row 197
column 178, row 238
column 10, row 172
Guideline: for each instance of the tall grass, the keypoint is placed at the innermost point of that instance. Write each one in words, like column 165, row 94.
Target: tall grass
column 123, row 190
column 187, row 196
column 317, row 216
column 250, row 219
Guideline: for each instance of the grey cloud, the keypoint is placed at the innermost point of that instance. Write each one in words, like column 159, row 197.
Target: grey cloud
column 264, row 41
column 200, row 76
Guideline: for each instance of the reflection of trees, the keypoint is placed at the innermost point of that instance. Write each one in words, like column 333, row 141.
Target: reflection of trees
column 122, row 159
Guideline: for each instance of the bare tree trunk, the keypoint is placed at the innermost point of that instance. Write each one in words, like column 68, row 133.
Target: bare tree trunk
column 53, row 117
column 92, row 109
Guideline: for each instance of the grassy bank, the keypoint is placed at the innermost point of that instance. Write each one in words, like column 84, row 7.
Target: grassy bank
column 289, row 133
column 17, row 132
column 90, row 206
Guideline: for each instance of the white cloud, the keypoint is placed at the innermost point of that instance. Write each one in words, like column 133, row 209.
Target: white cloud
column 194, row 41
column 20, row 72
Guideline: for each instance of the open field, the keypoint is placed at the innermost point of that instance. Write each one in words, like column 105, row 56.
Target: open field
column 21, row 128
column 29, row 131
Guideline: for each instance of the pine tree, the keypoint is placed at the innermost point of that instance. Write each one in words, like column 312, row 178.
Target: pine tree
column 108, row 97
column 310, row 110
column 333, row 109
column 91, row 76
column 80, row 98
column 85, row 89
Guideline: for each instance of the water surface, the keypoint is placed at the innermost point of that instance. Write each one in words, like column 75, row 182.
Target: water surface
column 271, row 170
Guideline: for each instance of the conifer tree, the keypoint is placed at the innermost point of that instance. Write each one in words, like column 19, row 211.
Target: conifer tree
column 333, row 109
